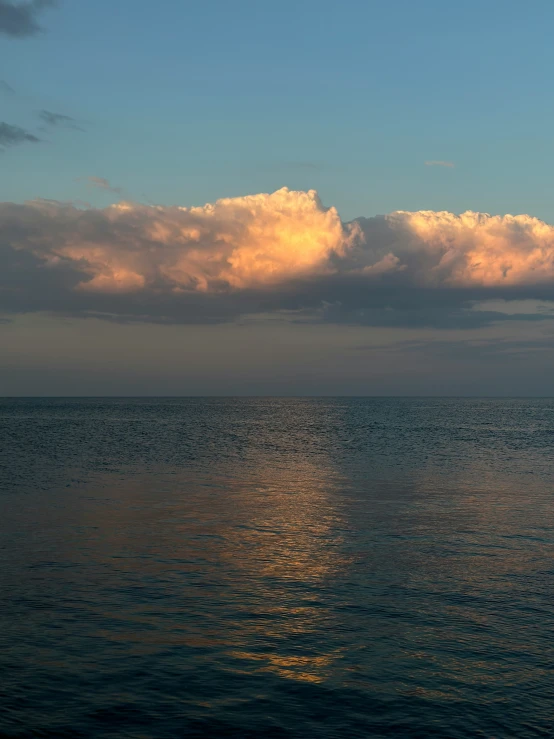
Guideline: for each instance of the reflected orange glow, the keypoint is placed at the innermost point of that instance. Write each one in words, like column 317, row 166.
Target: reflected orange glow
column 305, row 669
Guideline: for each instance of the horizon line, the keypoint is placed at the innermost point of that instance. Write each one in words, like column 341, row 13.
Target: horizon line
column 299, row 396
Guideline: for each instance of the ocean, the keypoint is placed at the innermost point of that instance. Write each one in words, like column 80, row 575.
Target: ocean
column 276, row 567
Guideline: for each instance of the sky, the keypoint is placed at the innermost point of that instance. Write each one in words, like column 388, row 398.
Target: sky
column 276, row 198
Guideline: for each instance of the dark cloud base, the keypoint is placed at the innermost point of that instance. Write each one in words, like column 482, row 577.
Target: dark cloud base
column 27, row 285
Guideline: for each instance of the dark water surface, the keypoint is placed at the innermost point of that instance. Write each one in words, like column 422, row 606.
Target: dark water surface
column 276, row 568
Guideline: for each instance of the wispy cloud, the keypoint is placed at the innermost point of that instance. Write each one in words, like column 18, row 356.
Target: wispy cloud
column 102, row 183
column 6, row 89
column 13, row 135
column 438, row 163
column 59, row 120
column 20, row 19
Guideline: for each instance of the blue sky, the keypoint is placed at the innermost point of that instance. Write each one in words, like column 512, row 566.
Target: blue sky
column 186, row 102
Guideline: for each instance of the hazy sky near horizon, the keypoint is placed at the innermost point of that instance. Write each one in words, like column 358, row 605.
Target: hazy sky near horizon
column 271, row 198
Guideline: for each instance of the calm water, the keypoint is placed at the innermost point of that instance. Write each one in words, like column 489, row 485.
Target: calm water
column 276, row 567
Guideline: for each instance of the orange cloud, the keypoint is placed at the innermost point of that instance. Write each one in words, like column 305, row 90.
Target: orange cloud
column 477, row 249
column 264, row 252
column 235, row 243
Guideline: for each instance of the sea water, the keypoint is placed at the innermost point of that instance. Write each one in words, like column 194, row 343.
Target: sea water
column 268, row 567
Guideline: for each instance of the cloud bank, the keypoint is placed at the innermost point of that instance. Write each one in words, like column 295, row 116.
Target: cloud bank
column 282, row 254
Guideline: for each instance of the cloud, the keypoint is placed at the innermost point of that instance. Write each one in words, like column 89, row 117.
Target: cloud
column 19, row 19
column 281, row 254
column 102, row 183
column 59, row 120
column 6, row 89
column 12, row 135
column 439, row 163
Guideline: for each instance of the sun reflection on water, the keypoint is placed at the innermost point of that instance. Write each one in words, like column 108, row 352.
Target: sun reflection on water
column 264, row 551
column 285, row 551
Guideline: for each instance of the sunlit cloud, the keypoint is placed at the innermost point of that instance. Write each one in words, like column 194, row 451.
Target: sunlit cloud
column 282, row 253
